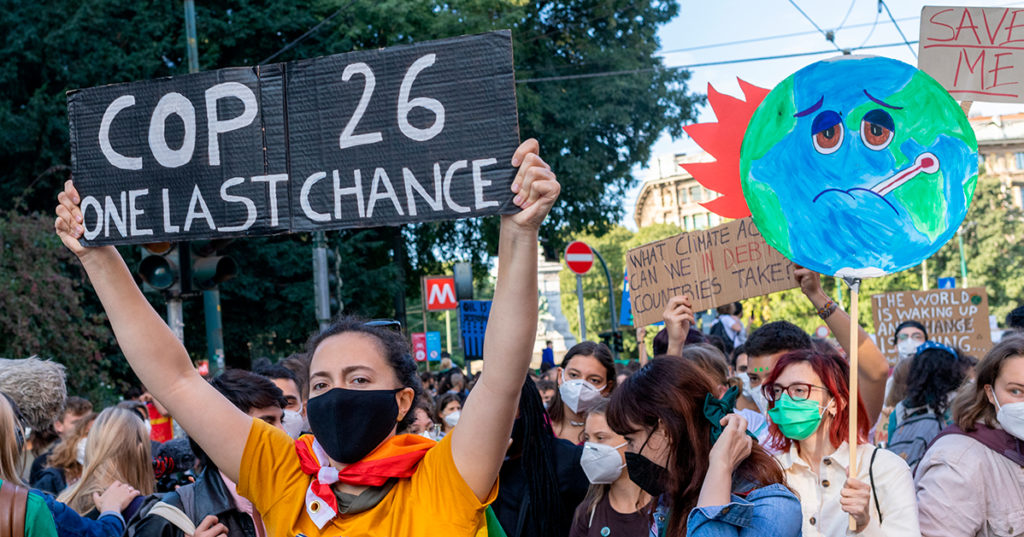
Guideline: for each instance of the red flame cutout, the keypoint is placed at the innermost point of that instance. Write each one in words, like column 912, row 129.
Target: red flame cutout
column 723, row 141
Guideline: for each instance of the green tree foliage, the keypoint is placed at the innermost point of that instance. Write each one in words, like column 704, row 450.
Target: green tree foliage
column 992, row 235
column 613, row 246
column 42, row 314
column 593, row 131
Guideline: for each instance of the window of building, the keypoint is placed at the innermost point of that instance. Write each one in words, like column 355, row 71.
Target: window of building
column 687, row 225
column 695, row 193
column 681, row 194
column 715, row 220
column 1019, row 160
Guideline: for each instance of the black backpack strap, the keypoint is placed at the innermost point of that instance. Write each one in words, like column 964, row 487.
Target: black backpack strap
column 874, row 490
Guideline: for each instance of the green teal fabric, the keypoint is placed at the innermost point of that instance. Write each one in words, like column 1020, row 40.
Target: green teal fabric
column 38, row 520
column 494, row 528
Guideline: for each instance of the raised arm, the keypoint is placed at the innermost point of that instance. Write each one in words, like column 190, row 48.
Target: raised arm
column 873, row 367
column 641, row 344
column 481, row 439
column 679, row 318
column 152, row 350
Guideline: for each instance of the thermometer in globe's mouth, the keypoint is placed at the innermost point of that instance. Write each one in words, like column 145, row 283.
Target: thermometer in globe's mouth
column 925, row 163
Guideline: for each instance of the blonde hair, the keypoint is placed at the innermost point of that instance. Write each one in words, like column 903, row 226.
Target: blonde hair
column 9, row 448
column 117, row 450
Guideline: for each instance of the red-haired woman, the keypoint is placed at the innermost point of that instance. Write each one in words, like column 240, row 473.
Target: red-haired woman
column 808, row 402
column 686, row 450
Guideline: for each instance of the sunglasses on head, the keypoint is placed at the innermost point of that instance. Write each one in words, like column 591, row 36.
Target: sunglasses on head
column 389, row 324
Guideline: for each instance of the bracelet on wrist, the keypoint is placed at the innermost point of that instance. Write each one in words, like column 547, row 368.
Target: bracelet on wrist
column 827, row 309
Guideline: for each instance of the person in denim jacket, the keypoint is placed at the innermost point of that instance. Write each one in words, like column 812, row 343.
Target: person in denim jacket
column 686, row 448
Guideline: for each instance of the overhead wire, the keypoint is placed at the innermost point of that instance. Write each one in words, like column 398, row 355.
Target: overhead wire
column 898, row 29
column 874, row 25
column 308, row 33
column 830, row 39
column 691, row 66
column 848, row 11
column 769, row 38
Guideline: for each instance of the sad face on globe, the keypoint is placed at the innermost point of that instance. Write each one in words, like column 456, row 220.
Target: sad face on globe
column 858, row 166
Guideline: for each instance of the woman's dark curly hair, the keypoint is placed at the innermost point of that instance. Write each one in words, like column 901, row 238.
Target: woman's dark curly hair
column 934, row 374
column 392, row 345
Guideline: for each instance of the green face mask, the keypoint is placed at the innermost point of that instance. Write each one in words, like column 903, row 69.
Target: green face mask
column 797, row 420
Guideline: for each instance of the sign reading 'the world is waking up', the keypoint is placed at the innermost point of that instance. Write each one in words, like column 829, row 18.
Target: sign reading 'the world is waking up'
column 381, row 137
column 955, row 317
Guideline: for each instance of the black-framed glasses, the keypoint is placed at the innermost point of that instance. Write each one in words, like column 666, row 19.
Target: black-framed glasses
column 798, row 391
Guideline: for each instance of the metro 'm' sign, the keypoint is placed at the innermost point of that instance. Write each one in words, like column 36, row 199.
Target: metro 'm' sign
column 440, row 292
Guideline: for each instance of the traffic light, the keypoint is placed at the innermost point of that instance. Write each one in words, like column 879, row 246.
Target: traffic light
column 612, row 339
column 208, row 269
column 160, row 268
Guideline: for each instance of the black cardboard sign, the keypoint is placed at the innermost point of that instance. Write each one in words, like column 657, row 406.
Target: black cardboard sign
column 382, row 137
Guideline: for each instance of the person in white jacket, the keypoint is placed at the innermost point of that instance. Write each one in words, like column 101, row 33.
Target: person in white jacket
column 809, row 403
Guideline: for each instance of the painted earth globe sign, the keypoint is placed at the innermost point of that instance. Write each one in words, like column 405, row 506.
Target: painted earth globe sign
column 858, row 166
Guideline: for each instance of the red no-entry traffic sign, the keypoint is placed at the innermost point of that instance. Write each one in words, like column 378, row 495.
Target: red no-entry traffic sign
column 579, row 257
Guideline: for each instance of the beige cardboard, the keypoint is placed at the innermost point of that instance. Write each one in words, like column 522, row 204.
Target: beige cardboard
column 714, row 266
column 955, row 317
column 976, row 53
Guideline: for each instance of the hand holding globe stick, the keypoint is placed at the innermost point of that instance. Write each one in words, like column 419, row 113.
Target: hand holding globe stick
column 855, row 166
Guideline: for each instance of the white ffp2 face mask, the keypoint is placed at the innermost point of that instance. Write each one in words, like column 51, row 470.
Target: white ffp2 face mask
column 293, row 423
column 907, row 348
column 602, row 463
column 453, row 419
column 1011, row 417
column 579, row 395
column 80, row 451
column 757, row 395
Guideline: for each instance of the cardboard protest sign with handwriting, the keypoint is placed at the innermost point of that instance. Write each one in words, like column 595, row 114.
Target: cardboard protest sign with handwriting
column 379, row 137
column 714, row 266
column 955, row 317
column 976, row 53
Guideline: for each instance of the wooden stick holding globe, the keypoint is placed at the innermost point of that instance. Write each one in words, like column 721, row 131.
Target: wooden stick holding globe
column 855, row 167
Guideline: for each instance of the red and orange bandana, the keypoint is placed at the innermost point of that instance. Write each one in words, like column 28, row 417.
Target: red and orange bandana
column 397, row 457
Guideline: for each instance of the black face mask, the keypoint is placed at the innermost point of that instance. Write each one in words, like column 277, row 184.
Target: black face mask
column 650, row 477
column 349, row 424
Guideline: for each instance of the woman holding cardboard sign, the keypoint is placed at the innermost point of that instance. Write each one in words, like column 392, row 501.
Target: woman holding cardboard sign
column 809, row 403
column 353, row 476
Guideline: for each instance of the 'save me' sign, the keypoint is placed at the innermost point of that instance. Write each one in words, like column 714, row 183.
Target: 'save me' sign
column 382, row 137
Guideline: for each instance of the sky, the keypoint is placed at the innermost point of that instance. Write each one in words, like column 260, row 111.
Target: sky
column 710, row 23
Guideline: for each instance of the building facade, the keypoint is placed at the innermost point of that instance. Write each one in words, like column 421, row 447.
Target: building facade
column 670, row 195
column 1001, row 148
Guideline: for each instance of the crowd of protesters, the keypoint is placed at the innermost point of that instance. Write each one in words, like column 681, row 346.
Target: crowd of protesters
column 711, row 434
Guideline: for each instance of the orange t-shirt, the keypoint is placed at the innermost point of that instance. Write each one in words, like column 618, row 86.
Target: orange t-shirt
column 434, row 501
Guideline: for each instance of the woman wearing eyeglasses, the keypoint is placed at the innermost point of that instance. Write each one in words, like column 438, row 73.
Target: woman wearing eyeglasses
column 809, row 403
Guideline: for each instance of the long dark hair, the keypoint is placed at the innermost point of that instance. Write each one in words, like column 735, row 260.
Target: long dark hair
column 392, row 345
column 670, row 391
column 534, row 441
column 934, row 374
column 601, row 353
